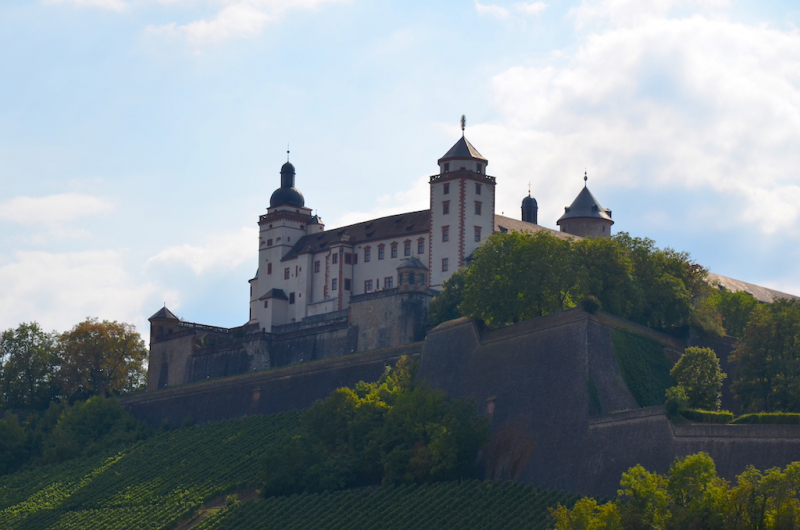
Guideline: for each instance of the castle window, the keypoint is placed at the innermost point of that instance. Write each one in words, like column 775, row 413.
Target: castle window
column 478, row 186
column 269, row 242
column 335, row 258
column 444, row 264
column 445, row 233
column 477, row 208
column 446, row 169
column 445, row 207
column 347, row 284
column 380, row 252
column 367, row 286
column 394, row 250
column 269, row 268
column 286, row 273
column 316, row 266
column 410, row 278
column 421, row 246
column 348, row 259
column 366, row 255
column 477, row 234
column 422, row 279
column 388, row 282
column 334, row 284
column 266, row 304
column 407, row 248
column 291, row 298
column 446, row 187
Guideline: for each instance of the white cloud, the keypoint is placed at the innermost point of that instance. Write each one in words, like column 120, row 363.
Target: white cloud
column 533, row 8
column 491, row 10
column 52, row 209
column 113, row 5
column 693, row 103
column 60, row 290
column 414, row 199
column 238, row 19
column 631, row 12
column 217, row 252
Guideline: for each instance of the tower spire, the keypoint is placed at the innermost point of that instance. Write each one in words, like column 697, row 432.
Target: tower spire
column 463, row 124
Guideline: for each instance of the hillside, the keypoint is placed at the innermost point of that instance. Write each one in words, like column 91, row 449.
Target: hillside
column 164, row 481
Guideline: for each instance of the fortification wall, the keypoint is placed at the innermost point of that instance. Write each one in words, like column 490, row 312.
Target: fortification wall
column 264, row 392
column 532, row 380
column 386, row 318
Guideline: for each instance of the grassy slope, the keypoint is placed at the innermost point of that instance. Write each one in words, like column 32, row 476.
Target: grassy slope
column 162, row 481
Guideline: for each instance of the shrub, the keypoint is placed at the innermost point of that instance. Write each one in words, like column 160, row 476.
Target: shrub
column 791, row 418
column 707, row 416
column 677, row 401
column 591, row 304
column 699, row 373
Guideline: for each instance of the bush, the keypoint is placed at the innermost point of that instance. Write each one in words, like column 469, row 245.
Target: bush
column 791, row 418
column 698, row 372
column 591, row 304
column 677, row 401
column 707, row 416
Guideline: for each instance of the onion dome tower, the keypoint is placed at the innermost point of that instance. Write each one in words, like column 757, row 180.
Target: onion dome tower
column 585, row 217
column 530, row 209
column 287, row 194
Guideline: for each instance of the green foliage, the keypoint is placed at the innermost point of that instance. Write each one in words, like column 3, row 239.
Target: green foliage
column 708, row 416
column 699, row 373
column 12, row 444
column 517, row 276
column 29, row 363
column 390, row 431
column 735, row 310
column 677, row 401
column 154, row 483
column 101, row 358
column 767, row 375
column 791, row 418
column 692, row 496
column 644, row 367
column 455, row 505
column 444, row 306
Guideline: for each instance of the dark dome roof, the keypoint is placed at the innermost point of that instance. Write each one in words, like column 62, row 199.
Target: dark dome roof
column 287, row 168
column 288, row 196
column 528, row 200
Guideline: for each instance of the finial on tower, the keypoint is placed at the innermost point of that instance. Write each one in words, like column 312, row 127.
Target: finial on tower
column 287, row 151
column 529, row 189
column 463, row 124
column 585, row 178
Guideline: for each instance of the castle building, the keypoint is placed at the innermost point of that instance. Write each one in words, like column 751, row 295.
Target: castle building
column 585, row 217
column 305, row 271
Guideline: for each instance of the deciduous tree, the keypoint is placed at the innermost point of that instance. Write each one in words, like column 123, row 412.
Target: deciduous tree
column 29, row 366
column 698, row 372
column 101, row 358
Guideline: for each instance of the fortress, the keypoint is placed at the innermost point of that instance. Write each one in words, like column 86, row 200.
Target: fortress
column 322, row 293
column 354, row 299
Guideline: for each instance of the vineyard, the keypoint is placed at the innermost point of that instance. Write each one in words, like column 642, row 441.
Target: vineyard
column 472, row 504
column 150, row 485
column 162, row 482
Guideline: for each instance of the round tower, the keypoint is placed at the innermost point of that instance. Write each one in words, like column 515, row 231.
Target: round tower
column 585, row 217
column 530, row 209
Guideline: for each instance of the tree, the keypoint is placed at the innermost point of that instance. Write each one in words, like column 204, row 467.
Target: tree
column 101, row 358
column 767, row 374
column 29, row 366
column 517, row 276
column 444, row 306
column 698, row 372
column 605, row 271
column 735, row 308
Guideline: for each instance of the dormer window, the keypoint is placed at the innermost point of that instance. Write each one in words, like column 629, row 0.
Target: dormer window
column 480, row 168
column 446, row 167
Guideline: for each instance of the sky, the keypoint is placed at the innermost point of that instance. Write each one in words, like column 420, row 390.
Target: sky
column 141, row 139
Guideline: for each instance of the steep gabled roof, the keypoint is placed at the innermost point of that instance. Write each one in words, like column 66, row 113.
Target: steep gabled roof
column 394, row 226
column 164, row 313
column 507, row 224
column 585, row 206
column 462, row 149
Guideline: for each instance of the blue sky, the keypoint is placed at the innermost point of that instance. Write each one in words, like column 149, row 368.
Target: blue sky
column 141, row 139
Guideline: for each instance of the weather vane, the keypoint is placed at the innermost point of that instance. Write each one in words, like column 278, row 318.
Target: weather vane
column 463, row 124
column 287, row 151
column 585, row 178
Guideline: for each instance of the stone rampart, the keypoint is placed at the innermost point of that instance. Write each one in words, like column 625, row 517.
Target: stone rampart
column 264, row 392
